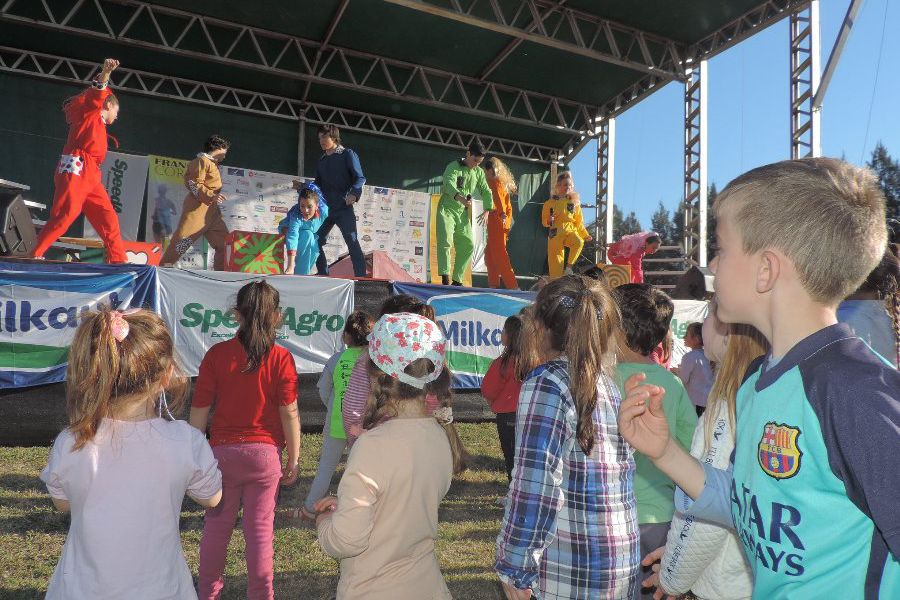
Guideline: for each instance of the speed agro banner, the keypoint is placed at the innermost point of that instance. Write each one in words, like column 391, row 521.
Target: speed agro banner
column 196, row 306
column 40, row 305
column 472, row 320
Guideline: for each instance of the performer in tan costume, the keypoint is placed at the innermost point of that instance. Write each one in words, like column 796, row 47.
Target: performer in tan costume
column 200, row 214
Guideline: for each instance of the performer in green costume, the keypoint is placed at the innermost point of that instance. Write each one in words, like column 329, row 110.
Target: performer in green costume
column 454, row 218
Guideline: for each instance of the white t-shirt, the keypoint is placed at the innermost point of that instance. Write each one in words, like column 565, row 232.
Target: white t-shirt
column 696, row 374
column 125, row 489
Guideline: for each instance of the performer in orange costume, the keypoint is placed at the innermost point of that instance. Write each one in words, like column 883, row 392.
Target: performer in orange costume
column 77, row 182
column 499, row 222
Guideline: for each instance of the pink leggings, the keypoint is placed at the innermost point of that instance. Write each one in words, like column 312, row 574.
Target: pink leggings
column 250, row 475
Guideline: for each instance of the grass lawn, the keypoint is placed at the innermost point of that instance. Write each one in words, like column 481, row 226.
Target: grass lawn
column 32, row 533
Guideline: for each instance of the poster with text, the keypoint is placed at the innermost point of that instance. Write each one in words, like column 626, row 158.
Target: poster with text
column 125, row 179
column 391, row 220
column 165, row 198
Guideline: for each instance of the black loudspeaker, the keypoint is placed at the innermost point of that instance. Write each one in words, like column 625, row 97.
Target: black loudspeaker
column 695, row 284
column 17, row 234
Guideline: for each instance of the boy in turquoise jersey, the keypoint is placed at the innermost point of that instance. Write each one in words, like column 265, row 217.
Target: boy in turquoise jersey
column 813, row 489
column 646, row 314
column 461, row 179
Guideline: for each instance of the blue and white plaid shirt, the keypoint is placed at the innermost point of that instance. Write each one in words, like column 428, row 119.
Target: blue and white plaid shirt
column 570, row 529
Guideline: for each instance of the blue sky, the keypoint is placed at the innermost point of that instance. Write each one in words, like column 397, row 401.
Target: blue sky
column 748, row 116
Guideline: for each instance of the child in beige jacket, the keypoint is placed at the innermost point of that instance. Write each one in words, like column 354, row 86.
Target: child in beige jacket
column 383, row 523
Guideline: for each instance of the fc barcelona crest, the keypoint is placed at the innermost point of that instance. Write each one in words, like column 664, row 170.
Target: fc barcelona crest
column 779, row 454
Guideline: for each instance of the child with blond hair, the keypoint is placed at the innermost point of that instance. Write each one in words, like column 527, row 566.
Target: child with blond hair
column 123, row 465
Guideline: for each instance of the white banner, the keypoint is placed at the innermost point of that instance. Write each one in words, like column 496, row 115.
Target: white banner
column 196, row 306
column 390, row 220
column 125, row 178
column 686, row 312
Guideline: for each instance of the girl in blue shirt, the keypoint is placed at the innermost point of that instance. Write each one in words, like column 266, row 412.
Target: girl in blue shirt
column 300, row 228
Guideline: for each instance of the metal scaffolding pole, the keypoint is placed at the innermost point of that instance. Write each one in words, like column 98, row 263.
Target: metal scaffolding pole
column 805, row 74
column 695, row 188
column 606, row 160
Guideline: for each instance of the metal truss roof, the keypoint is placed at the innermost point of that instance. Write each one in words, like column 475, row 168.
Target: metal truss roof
column 47, row 66
column 641, row 61
column 304, row 59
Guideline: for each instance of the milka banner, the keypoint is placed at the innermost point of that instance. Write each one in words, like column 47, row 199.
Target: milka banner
column 125, row 178
column 472, row 320
column 165, row 198
column 39, row 309
column 393, row 221
column 196, row 306
column 686, row 312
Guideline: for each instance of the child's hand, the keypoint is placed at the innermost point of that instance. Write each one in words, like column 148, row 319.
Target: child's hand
column 356, row 430
column 325, row 508
column 220, row 198
column 289, row 475
column 513, row 593
column 110, row 65
column 642, row 421
column 653, row 580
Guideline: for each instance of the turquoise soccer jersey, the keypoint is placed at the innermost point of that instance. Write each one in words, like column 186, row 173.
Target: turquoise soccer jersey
column 815, row 489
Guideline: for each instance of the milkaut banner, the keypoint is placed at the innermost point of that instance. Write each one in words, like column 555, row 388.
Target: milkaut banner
column 40, row 306
column 472, row 319
column 196, row 305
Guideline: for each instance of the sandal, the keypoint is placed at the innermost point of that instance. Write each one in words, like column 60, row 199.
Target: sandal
column 303, row 514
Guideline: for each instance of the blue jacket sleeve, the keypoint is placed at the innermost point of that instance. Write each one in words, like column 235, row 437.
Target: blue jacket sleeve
column 356, row 173
column 535, row 493
column 290, row 227
column 714, row 502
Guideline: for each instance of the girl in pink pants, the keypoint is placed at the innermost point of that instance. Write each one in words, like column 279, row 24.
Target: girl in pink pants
column 253, row 385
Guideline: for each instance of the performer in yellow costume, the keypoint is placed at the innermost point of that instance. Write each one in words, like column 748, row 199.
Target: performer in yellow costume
column 562, row 216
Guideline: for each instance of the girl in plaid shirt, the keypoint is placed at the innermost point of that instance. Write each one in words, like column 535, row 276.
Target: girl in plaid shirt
column 570, row 528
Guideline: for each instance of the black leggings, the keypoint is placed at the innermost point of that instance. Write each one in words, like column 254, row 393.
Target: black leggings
column 506, row 431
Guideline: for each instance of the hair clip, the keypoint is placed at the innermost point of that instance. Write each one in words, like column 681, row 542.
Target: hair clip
column 444, row 415
column 118, row 325
column 570, row 303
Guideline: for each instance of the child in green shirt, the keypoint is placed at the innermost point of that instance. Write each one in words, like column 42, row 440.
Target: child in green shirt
column 646, row 314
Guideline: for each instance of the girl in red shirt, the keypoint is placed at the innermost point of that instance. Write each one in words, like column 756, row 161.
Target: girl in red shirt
column 501, row 386
column 253, row 384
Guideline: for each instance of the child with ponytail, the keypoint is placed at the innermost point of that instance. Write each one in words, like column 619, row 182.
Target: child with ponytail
column 252, row 382
column 383, row 523
column 123, row 465
column 570, row 528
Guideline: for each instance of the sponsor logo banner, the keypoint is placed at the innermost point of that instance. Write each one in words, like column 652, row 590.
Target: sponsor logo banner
column 196, row 306
column 40, row 306
column 472, row 320
column 125, row 179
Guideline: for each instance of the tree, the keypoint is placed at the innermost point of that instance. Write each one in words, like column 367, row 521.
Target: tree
column 662, row 224
column 629, row 224
column 711, row 247
column 888, row 171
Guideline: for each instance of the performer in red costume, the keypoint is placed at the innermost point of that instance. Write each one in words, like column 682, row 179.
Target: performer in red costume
column 77, row 182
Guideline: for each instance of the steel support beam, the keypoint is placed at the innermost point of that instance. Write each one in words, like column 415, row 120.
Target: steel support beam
column 695, row 153
column 741, row 28
column 196, row 36
column 804, row 81
column 836, row 51
column 46, row 66
column 515, row 43
column 567, row 29
column 606, row 163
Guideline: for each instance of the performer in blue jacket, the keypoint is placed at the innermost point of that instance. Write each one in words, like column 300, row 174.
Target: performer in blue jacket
column 300, row 229
column 340, row 177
